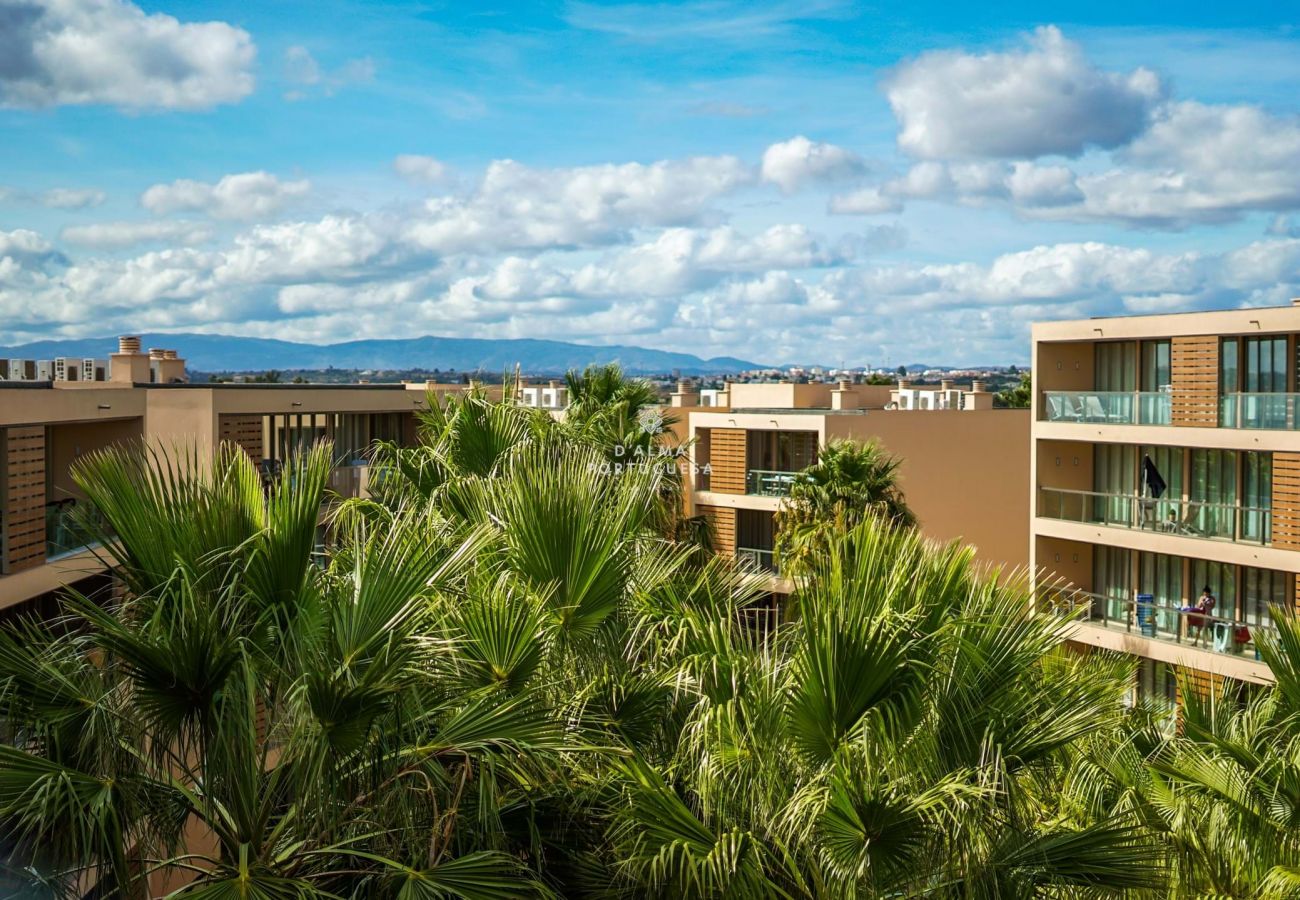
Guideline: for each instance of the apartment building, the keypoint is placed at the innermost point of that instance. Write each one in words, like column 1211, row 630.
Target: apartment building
column 46, row 426
column 962, row 460
column 1166, row 459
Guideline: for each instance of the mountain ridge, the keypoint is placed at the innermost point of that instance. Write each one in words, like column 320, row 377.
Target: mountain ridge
column 233, row 353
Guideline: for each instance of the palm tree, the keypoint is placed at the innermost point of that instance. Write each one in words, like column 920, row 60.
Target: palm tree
column 906, row 736
column 850, row 482
column 511, row 680
column 1224, row 795
column 245, row 724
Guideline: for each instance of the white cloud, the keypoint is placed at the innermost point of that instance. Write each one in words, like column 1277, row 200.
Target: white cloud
column 76, row 52
column 250, row 195
column 336, row 247
column 117, row 235
column 306, row 74
column 419, row 169
column 72, row 198
column 1046, row 99
column 518, row 207
column 793, row 163
column 1201, row 163
column 870, row 201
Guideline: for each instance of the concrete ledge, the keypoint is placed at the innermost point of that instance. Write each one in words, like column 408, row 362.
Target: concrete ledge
column 22, row 586
column 1242, row 668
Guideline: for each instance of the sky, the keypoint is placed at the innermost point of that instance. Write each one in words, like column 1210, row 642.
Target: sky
column 785, row 182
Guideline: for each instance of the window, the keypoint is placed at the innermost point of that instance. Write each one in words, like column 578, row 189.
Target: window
column 1256, row 497
column 1162, row 577
column 1221, row 578
column 1157, row 683
column 1155, row 365
column 1114, row 474
column 1213, row 492
column 1115, row 365
column 1111, row 579
column 1265, row 365
column 1228, row 375
column 1169, row 463
column 1260, row 589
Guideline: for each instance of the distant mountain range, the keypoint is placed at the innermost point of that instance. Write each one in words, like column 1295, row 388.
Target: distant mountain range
column 224, row 353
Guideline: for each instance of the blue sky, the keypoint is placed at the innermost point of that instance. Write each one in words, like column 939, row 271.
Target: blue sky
column 781, row 181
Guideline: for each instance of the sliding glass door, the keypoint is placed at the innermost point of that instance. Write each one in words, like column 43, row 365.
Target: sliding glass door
column 1213, row 493
column 1256, row 497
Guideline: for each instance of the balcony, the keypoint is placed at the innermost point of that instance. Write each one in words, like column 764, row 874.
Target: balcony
column 350, row 481
column 71, row 528
column 769, row 483
column 1158, row 621
column 758, row 560
column 1271, row 412
column 1107, row 407
column 1175, row 516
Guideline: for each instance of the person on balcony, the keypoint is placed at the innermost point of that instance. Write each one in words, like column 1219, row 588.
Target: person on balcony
column 1199, row 615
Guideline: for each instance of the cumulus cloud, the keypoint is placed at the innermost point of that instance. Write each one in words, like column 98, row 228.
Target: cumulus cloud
column 419, row 169
column 1045, row 99
column 793, row 163
column 250, row 195
column 869, row 201
column 518, row 207
column 1201, row 163
column 77, row 52
column 117, row 235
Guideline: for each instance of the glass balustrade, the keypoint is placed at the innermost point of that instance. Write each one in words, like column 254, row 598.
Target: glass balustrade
column 1274, row 412
column 761, row 560
column 1187, row 518
column 1159, row 621
column 769, row 483
column 71, row 527
column 1108, row 407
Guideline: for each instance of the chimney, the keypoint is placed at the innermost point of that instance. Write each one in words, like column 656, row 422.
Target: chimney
column 169, row 366
column 844, row 396
column 904, row 384
column 945, row 384
column 128, row 365
column 978, row 398
column 684, row 396
column 552, row 384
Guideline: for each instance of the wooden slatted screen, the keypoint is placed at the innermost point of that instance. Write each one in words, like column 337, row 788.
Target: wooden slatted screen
column 1286, row 501
column 246, row 431
column 722, row 526
column 24, row 490
column 727, row 460
column 1194, row 372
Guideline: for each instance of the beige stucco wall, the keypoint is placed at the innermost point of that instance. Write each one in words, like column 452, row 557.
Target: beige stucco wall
column 781, row 395
column 66, row 443
column 964, row 474
column 34, row 406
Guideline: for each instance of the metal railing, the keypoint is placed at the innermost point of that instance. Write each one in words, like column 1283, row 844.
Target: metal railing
column 769, row 482
column 1107, row 407
column 761, row 560
column 1188, row 518
column 1277, row 412
column 1156, row 620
